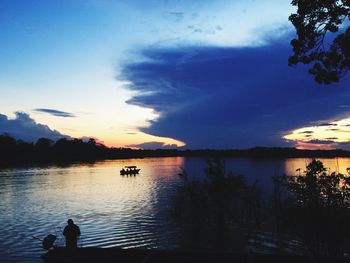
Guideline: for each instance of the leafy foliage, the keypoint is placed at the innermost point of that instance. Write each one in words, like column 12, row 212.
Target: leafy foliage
column 218, row 212
column 317, row 22
column 318, row 209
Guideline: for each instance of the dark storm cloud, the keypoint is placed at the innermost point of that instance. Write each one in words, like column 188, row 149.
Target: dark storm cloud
column 57, row 113
column 326, row 124
column 306, row 132
column 154, row 145
column 25, row 128
column 213, row 97
column 320, row 141
column 343, row 145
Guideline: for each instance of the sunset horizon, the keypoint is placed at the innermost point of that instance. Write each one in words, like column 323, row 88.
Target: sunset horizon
column 174, row 131
column 163, row 74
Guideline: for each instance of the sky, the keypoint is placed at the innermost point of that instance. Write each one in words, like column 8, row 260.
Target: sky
column 163, row 74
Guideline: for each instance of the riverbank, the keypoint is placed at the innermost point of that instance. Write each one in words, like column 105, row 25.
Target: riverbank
column 15, row 153
column 102, row 255
column 20, row 158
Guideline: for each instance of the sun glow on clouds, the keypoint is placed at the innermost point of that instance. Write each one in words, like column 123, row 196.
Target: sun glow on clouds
column 322, row 135
column 106, row 116
column 63, row 55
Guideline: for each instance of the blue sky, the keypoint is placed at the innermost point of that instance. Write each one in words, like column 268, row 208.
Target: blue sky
column 159, row 73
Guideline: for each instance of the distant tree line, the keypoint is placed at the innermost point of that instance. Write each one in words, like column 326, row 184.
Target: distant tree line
column 17, row 152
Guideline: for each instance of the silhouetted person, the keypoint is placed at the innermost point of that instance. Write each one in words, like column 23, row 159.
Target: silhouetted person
column 71, row 232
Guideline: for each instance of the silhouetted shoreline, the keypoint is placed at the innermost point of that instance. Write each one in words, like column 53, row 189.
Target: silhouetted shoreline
column 15, row 153
column 94, row 254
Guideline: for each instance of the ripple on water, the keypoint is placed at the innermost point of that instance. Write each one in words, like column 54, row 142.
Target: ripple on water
column 111, row 210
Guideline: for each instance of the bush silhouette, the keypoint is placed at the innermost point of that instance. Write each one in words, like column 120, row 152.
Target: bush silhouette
column 219, row 212
column 318, row 209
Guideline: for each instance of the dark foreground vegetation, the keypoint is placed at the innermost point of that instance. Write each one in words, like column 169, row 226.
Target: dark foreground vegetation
column 307, row 214
column 61, row 255
column 16, row 152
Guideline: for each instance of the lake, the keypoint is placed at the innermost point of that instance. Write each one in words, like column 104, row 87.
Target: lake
column 111, row 210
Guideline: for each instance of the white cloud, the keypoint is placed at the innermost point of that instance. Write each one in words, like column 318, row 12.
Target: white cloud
column 25, row 128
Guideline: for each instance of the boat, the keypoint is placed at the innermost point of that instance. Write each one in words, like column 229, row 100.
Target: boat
column 129, row 170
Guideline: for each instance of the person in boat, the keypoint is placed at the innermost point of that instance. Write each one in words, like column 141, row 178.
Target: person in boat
column 71, row 232
column 122, row 171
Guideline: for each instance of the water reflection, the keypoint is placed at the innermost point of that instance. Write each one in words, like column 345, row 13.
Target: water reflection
column 110, row 209
column 338, row 165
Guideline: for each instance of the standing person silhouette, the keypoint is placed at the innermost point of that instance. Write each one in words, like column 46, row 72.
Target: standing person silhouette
column 71, row 232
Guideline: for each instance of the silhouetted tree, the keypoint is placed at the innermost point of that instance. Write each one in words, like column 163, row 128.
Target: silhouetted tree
column 220, row 211
column 7, row 141
column 318, row 22
column 318, row 209
column 92, row 141
column 44, row 143
column 9, row 148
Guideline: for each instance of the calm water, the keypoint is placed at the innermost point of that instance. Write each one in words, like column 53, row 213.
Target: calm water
column 110, row 209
